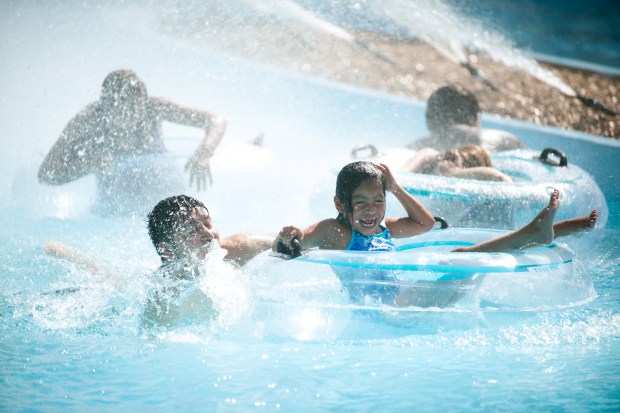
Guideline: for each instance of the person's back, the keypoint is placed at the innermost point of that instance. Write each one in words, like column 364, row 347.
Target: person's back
column 452, row 117
column 467, row 162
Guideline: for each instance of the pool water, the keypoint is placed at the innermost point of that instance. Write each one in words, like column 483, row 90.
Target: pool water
column 73, row 342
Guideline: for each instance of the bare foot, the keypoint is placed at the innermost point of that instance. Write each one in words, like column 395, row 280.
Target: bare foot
column 538, row 232
column 541, row 228
column 576, row 226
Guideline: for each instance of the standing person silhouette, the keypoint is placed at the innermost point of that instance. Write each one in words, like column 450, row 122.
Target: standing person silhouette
column 123, row 124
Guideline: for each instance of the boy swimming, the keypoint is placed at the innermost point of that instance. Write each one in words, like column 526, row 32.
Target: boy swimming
column 183, row 234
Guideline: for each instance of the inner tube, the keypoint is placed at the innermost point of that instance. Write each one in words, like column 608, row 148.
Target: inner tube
column 293, row 251
column 544, row 157
column 473, row 203
column 428, row 257
column 443, row 224
column 372, row 151
column 423, row 272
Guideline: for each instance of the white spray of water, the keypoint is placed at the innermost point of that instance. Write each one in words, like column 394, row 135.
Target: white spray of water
column 224, row 284
column 451, row 34
column 290, row 10
column 431, row 21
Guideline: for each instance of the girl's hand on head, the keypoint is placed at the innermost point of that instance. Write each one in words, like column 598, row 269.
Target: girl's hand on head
column 390, row 181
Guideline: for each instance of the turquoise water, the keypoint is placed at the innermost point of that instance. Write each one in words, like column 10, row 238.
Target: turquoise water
column 71, row 342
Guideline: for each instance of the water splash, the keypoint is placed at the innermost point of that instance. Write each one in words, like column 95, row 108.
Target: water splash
column 433, row 22
column 452, row 35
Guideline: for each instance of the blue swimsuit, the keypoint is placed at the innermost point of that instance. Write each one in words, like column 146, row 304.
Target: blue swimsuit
column 369, row 286
column 374, row 242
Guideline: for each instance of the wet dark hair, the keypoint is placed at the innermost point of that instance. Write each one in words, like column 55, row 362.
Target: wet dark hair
column 167, row 214
column 451, row 105
column 351, row 176
column 121, row 85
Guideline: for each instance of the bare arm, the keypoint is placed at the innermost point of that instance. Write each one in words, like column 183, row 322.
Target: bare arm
column 60, row 250
column 243, row 247
column 214, row 126
column 79, row 150
column 481, row 173
column 326, row 234
column 418, row 219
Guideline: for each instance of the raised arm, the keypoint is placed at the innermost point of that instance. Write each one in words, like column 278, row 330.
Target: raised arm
column 418, row 219
column 214, row 126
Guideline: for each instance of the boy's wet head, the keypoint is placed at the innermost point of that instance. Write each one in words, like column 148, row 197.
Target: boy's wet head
column 351, row 176
column 168, row 216
column 451, row 105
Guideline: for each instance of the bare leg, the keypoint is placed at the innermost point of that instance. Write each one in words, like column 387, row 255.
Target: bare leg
column 538, row 232
column 575, row 226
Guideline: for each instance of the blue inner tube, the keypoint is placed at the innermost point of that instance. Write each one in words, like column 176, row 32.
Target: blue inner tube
column 428, row 258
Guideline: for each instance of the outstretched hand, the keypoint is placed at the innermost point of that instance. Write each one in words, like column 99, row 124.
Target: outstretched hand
column 199, row 168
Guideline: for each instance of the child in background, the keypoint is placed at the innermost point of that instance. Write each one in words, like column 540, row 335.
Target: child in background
column 467, row 162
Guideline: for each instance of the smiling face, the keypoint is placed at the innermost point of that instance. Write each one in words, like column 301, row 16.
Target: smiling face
column 368, row 208
column 192, row 236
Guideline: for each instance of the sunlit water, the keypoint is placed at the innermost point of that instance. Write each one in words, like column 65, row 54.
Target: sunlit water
column 72, row 342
